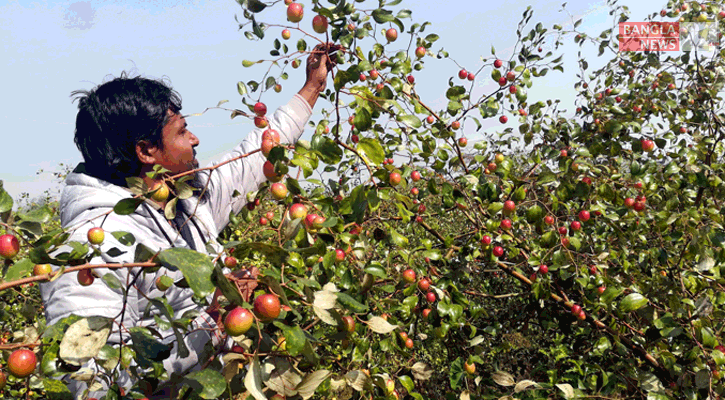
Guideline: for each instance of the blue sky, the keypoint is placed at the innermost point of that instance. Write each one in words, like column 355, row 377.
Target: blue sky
column 52, row 48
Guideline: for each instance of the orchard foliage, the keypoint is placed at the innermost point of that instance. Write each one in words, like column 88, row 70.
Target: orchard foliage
column 575, row 251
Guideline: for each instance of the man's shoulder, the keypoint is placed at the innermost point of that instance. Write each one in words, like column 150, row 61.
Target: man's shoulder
column 81, row 214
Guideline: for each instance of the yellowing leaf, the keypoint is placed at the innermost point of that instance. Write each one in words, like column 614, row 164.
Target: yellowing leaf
column 379, row 325
column 421, row 371
column 337, row 385
column 83, row 339
column 253, row 380
column 283, row 378
column 503, row 378
column 567, row 389
column 325, row 300
column 327, row 316
column 523, row 385
column 359, row 380
column 309, row 384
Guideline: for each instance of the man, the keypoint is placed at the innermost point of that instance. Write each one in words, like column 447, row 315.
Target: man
column 123, row 129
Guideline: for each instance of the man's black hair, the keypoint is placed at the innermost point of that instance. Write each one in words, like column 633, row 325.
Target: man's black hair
column 114, row 116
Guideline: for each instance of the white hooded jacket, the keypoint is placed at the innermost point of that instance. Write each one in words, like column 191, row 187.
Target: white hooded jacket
column 85, row 198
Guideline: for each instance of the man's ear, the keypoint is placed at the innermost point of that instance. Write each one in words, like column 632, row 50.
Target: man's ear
column 147, row 153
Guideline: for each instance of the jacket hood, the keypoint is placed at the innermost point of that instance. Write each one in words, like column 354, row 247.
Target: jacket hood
column 83, row 192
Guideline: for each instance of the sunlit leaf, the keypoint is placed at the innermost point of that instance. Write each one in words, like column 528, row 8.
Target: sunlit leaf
column 379, row 325
column 84, row 339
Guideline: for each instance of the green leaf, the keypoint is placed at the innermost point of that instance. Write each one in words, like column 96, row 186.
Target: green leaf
column 407, row 383
column 55, row 332
column 295, row 340
column 382, row 16
column 147, row 347
column 632, row 301
column 241, row 88
column 410, row 120
column 255, row 6
column 546, row 177
column 372, row 150
column 142, row 253
column 455, row 93
column 341, row 78
column 168, row 312
column 56, row 390
column 708, row 338
column 49, row 363
column 326, row 148
column 456, row 372
column 454, row 106
column 183, row 190
column 207, row 383
column 617, row 110
column 404, row 14
column 356, row 204
column 398, row 239
column 376, row 270
column 583, row 152
column 124, row 238
column 127, row 206
column 434, row 255
column 6, row 202
column 196, row 267
column 40, row 215
column 350, row 303
column 20, row 269
column 453, row 311
column 270, row 82
column 719, row 357
column 274, row 254
column 112, row 281
column 257, row 29
column 276, row 288
column 603, row 345
column 228, row 289
column 363, row 120
column 610, row 294
column 612, row 126
column 495, row 207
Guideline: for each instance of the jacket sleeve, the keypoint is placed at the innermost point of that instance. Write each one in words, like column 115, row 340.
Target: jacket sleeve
column 245, row 175
column 65, row 296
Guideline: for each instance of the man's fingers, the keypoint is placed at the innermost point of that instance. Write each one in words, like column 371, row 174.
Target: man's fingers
column 324, row 51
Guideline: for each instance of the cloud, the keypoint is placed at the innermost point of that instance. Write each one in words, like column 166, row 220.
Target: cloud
column 79, row 15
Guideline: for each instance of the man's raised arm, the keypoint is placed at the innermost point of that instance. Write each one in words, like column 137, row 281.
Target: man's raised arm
column 245, row 174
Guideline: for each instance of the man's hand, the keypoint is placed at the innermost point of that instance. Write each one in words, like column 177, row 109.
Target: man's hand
column 245, row 280
column 321, row 60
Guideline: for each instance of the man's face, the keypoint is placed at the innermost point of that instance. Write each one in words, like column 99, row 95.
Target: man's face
column 177, row 154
